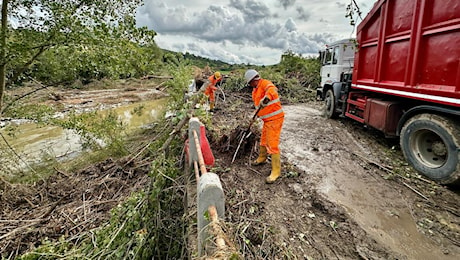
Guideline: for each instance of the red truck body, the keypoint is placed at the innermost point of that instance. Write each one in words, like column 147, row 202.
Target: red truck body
column 411, row 49
column 405, row 81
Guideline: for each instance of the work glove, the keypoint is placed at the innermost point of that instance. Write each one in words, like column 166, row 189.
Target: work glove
column 264, row 102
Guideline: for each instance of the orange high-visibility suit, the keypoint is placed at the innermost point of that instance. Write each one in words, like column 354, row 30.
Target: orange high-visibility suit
column 272, row 115
column 210, row 90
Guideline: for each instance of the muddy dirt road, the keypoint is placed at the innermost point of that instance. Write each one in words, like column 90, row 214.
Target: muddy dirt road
column 346, row 193
column 383, row 209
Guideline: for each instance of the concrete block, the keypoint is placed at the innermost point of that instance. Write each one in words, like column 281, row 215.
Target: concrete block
column 210, row 193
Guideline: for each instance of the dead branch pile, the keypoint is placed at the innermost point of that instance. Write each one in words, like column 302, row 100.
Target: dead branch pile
column 64, row 204
column 229, row 143
column 230, row 122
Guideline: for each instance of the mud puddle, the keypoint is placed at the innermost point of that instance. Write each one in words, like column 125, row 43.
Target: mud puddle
column 389, row 223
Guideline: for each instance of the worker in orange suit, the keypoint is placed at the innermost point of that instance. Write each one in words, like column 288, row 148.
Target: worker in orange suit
column 265, row 95
column 210, row 90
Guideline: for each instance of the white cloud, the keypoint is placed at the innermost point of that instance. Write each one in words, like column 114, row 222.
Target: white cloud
column 247, row 31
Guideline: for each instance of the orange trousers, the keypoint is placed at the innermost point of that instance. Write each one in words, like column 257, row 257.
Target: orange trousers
column 210, row 91
column 270, row 136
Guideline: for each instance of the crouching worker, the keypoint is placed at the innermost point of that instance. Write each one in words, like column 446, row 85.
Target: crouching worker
column 265, row 94
column 210, row 90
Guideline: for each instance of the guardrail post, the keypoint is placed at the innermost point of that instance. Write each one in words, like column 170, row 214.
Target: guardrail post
column 210, row 193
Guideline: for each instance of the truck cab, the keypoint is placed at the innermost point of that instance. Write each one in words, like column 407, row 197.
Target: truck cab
column 337, row 59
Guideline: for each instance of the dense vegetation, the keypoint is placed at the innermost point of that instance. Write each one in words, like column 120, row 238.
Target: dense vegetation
column 60, row 41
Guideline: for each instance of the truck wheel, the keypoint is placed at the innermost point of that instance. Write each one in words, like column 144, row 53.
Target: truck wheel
column 329, row 107
column 431, row 144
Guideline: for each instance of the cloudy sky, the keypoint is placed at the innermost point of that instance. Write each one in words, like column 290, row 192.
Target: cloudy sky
column 248, row 31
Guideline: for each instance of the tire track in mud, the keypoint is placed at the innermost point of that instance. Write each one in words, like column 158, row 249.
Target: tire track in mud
column 324, row 149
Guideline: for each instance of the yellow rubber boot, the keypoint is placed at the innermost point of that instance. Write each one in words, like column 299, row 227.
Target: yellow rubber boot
column 262, row 156
column 276, row 169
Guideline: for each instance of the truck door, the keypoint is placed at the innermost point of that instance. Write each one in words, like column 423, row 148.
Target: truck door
column 329, row 68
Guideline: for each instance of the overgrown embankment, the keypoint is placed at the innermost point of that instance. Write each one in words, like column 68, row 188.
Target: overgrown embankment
column 120, row 200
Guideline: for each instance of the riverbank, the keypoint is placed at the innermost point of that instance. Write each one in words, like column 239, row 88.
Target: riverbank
column 53, row 205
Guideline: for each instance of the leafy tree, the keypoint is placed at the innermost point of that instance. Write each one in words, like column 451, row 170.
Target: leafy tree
column 112, row 58
column 30, row 28
column 305, row 69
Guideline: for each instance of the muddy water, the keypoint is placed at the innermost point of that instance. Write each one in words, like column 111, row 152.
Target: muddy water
column 326, row 154
column 139, row 114
column 34, row 143
column 385, row 218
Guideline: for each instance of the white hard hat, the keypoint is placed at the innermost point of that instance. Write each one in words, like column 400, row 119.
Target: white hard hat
column 250, row 75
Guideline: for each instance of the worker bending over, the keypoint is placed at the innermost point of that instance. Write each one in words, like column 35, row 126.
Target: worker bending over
column 265, row 94
column 210, row 90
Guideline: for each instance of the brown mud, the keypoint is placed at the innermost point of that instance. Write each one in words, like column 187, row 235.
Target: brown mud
column 345, row 193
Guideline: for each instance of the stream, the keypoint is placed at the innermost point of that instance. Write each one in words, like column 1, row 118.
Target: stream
column 32, row 143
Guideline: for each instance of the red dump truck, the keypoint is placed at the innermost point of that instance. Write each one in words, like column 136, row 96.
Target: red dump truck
column 404, row 80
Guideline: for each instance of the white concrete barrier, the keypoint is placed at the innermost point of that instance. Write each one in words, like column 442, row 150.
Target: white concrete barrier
column 210, row 193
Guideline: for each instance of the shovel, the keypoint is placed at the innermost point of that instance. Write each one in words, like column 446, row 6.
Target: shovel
column 246, row 133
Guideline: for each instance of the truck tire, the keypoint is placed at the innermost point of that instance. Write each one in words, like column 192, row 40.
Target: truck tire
column 330, row 104
column 431, row 144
